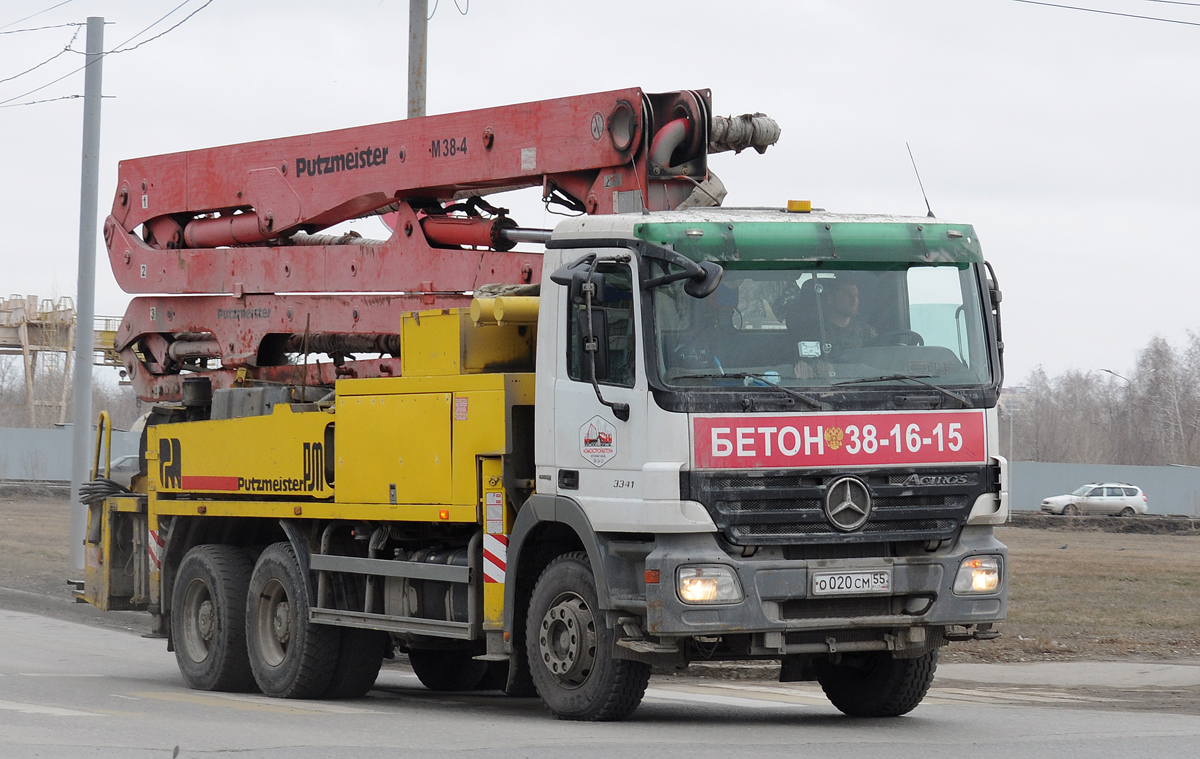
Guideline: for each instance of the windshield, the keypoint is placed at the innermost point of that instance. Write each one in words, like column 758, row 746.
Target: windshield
column 1082, row 490
column 820, row 327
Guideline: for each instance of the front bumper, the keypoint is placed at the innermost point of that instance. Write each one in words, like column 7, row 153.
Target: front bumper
column 781, row 611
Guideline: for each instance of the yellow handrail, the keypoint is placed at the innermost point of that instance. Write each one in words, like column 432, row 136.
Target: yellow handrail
column 104, row 423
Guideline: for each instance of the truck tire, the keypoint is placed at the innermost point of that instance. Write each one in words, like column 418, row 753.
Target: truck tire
column 360, row 652
column 208, row 618
column 290, row 657
column 360, row 655
column 448, row 671
column 570, row 649
column 496, row 677
column 876, row 685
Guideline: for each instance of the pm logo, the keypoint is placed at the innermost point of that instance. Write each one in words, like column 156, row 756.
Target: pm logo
column 169, row 466
column 314, row 467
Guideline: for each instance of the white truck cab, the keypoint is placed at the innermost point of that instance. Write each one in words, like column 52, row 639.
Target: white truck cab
column 782, row 441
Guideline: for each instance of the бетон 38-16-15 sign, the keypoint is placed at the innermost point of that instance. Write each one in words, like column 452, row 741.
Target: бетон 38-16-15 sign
column 852, row 439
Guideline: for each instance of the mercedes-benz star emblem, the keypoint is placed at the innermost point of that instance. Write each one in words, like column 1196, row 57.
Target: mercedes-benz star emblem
column 848, row 504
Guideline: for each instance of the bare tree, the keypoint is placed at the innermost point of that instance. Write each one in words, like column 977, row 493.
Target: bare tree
column 122, row 405
column 1150, row 418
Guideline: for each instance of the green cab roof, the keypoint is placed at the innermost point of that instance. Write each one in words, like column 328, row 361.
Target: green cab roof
column 772, row 237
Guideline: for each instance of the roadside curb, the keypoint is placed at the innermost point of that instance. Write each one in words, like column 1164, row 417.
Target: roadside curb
column 1109, row 674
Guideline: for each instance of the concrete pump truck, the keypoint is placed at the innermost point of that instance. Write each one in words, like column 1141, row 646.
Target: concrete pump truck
column 679, row 433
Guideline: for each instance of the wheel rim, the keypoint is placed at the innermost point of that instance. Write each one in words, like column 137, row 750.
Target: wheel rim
column 199, row 620
column 567, row 641
column 273, row 622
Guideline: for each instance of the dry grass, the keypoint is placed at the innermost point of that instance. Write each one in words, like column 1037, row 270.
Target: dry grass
column 33, row 544
column 1095, row 595
column 1078, row 595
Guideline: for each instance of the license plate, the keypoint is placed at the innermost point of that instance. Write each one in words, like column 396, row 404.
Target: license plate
column 852, row 583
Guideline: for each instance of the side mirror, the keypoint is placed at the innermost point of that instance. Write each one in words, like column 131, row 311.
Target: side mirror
column 575, row 277
column 705, row 284
column 599, row 345
column 580, row 280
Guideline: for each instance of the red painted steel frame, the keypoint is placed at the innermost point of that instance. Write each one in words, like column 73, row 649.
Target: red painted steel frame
column 239, row 326
column 252, row 197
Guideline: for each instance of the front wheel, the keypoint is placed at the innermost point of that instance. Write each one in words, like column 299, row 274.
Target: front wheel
column 1070, row 510
column 876, row 685
column 570, row 649
column 290, row 656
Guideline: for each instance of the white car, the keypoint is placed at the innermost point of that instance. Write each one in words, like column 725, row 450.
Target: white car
column 1110, row 498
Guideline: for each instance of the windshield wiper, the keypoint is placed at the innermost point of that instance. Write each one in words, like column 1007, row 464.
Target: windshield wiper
column 811, row 401
column 918, row 378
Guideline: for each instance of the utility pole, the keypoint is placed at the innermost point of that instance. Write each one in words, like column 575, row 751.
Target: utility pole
column 85, row 293
column 418, row 50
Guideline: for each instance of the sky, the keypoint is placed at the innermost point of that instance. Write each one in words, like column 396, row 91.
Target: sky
column 1067, row 138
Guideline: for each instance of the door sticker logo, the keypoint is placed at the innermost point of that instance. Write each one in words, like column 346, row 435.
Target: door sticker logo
column 598, row 441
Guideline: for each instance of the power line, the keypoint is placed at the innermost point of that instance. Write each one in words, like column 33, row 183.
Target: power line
column 52, row 7
column 44, row 86
column 462, row 11
column 120, row 49
column 36, row 102
column 64, row 51
column 51, row 100
column 41, row 28
column 1109, row 13
column 117, row 49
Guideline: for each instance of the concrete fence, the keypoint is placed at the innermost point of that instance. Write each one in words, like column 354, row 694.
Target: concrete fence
column 1168, row 489
column 32, row 455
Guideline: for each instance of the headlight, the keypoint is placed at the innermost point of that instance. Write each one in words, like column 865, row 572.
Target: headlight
column 708, row 584
column 978, row 574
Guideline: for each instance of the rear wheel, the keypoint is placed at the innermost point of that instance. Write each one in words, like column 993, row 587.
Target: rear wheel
column 570, row 649
column 448, row 671
column 360, row 655
column 360, row 652
column 1127, row 512
column 876, row 685
column 1071, row 510
column 291, row 657
column 208, row 618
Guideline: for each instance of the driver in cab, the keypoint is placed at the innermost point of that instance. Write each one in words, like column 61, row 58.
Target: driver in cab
column 827, row 320
column 843, row 326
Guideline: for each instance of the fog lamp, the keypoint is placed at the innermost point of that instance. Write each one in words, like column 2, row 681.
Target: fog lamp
column 978, row 574
column 708, row 584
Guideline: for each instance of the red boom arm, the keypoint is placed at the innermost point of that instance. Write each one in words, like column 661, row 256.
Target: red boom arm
column 235, row 224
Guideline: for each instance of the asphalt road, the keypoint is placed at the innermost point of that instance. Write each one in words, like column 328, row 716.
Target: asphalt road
column 71, row 688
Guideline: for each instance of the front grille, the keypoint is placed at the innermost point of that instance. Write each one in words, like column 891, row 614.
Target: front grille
column 762, row 504
column 838, row 608
column 920, row 501
column 787, row 508
column 912, row 529
column 841, row 636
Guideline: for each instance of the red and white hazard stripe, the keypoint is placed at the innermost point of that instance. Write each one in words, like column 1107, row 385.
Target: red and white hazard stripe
column 155, row 545
column 495, row 557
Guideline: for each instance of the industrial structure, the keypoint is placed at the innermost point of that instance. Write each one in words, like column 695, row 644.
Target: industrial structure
column 42, row 332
